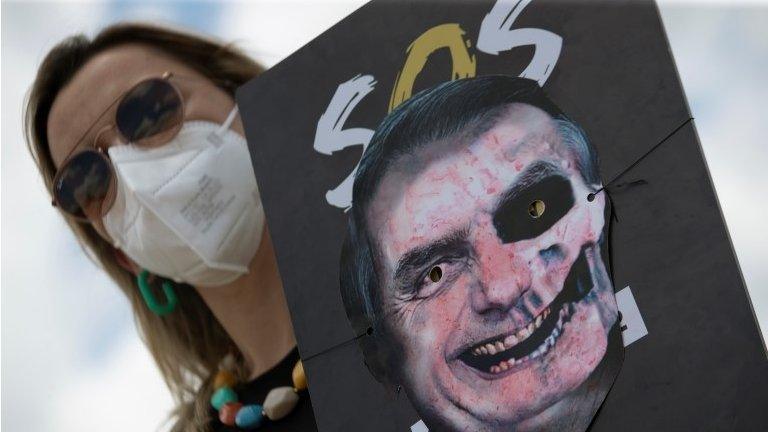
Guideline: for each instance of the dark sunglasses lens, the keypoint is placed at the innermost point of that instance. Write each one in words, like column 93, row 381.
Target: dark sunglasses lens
column 83, row 183
column 150, row 108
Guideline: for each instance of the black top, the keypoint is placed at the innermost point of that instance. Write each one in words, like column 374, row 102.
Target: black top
column 301, row 419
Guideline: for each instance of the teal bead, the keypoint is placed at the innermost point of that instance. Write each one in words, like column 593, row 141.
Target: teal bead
column 249, row 417
column 222, row 396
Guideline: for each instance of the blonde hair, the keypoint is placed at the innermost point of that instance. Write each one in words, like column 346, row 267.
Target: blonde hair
column 189, row 343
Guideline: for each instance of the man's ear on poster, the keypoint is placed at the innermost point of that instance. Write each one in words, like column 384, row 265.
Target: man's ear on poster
column 357, row 270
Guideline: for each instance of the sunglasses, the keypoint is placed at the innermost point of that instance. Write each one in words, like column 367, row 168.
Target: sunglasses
column 149, row 114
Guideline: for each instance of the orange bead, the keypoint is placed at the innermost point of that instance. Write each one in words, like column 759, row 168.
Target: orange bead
column 224, row 379
column 299, row 379
column 228, row 413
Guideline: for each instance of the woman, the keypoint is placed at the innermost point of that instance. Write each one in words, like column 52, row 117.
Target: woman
column 137, row 137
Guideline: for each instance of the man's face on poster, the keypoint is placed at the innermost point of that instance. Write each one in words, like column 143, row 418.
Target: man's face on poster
column 499, row 307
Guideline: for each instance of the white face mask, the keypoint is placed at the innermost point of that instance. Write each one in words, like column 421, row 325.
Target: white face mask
column 188, row 210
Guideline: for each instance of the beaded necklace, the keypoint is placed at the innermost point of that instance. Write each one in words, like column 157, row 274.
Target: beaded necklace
column 280, row 401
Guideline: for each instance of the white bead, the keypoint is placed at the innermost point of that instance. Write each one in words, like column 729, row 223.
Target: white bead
column 280, row 402
column 228, row 363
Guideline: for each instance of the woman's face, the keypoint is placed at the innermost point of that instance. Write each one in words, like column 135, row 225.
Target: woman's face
column 74, row 118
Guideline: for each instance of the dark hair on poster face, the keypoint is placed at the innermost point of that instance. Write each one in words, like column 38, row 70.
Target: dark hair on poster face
column 462, row 109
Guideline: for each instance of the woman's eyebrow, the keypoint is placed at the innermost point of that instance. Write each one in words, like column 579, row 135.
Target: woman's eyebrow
column 419, row 256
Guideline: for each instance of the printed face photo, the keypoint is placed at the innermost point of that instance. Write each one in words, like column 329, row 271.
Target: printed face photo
column 492, row 304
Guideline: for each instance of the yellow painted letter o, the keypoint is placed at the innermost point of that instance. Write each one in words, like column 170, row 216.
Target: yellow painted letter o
column 449, row 36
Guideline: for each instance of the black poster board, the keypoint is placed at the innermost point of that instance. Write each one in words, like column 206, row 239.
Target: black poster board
column 702, row 365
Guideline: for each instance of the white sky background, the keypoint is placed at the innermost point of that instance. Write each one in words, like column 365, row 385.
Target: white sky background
column 72, row 360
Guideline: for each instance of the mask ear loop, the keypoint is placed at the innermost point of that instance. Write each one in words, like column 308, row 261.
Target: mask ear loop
column 228, row 122
column 215, row 137
column 151, row 301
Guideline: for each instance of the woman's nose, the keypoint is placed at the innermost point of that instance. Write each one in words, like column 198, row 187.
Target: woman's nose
column 107, row 137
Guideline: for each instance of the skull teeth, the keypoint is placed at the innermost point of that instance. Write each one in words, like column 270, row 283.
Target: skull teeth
column 508, row 342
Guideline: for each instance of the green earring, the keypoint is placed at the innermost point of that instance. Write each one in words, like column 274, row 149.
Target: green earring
column 152, row 303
